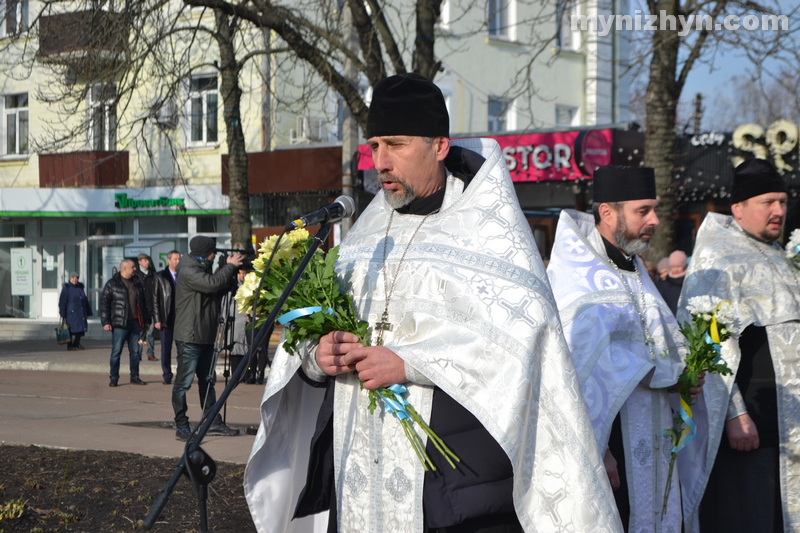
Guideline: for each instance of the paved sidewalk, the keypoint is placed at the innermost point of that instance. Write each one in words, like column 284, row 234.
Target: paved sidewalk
column 53, row 397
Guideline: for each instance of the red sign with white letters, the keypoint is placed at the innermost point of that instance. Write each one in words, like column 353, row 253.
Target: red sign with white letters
column 555, row 156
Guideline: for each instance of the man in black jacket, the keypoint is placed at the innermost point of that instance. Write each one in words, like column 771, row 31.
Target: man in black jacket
column 123, row 312
column 163, row 311
column 197, row 306
column 146, row 274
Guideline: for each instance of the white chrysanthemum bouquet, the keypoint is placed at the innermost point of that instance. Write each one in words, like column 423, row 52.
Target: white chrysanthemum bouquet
column 713, row 320
column 317, row 307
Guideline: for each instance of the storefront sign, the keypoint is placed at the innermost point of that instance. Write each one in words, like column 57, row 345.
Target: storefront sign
column 561, row 155
column 21, row 272
column 122, row 201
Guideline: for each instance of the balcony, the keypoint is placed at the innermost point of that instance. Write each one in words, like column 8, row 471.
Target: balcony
column 83, row 169
column 89, row 41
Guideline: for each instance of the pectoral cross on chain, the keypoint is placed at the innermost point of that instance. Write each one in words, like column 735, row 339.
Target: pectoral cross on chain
column 380, row 327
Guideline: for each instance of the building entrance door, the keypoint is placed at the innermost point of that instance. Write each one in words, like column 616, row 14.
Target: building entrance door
column 58, row 260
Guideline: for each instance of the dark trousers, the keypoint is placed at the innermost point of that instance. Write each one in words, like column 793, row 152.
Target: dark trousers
column 165, row 335
column 193, row 359
column 119, row 337
column 743, row 492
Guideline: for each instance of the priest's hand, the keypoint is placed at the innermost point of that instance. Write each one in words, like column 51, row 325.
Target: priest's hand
column 377, row 366
column 611, row 469
column 332, row 351
column 742, row 433
column 694, row 392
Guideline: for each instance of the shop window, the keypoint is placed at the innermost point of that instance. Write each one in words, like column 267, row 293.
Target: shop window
column 106, row 226
column 59, row 228
column 15, row 17
column 206, row 224
column 15, row 112
column 498, row 111
column 203, row 100
column 103, row 117
column 12, row 229
column 12, row 305
column 158, row 225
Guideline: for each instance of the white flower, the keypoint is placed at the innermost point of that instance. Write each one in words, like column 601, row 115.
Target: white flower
column 701, row 305
column 791, row 246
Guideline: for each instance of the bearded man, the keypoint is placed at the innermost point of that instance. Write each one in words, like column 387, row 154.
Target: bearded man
column 623, row 338
column 752, row 440
column 444, row 265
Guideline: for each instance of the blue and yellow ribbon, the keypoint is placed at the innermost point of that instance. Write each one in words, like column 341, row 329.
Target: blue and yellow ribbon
column 303, row 311
column 396, row 404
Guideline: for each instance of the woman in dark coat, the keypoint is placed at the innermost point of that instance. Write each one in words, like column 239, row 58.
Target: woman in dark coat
column 73, row 306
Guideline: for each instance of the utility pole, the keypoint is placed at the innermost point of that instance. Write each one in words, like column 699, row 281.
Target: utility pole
column 349, row 124
column 698, row 112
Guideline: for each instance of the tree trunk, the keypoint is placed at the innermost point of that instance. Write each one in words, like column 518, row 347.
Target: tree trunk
column 661, row 101
column 240, row 224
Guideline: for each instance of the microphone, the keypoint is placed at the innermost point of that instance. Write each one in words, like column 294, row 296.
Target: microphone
column 342, row 207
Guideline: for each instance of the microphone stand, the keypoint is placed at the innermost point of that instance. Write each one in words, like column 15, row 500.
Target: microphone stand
column 195, row 462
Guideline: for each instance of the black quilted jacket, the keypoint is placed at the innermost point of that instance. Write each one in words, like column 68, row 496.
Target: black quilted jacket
column 114, row 308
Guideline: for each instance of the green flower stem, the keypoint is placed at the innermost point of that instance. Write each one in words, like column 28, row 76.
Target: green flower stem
column 446, row 452
column 672, row 458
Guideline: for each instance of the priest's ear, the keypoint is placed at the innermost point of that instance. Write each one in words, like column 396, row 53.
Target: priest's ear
column 606, row 214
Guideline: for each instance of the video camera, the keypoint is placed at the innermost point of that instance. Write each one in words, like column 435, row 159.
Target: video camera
column 247, row 261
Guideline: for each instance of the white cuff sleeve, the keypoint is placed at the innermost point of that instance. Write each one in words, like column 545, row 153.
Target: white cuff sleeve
column 736, row 405
column 417, row 378
column 310, row 367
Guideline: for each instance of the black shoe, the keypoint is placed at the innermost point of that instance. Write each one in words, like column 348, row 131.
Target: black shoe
column 167, row 381
column 223, row 430
column 112, row 383
column 137, row 381
column 70, row 347
column 183, row 434
column 79, row 347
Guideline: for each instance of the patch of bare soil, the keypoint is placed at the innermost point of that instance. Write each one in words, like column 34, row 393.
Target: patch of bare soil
column 46, row 490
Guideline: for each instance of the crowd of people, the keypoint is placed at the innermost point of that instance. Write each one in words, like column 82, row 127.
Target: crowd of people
column 553, row 386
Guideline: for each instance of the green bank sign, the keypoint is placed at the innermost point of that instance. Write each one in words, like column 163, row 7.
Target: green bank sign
column 121, row 201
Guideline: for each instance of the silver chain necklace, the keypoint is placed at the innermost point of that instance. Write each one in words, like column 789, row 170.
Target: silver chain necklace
column 753, row 242
column 640, row 310
column 388, row 291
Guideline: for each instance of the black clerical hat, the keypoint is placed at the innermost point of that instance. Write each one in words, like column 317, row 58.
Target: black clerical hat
column 617, row 183
column 754, row 177
column 407, row 104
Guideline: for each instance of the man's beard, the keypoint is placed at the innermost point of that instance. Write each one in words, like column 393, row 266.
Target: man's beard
column 767, row 235
column 395, row 199
column 629, row 243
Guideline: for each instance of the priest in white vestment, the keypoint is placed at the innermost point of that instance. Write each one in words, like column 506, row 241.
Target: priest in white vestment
column 753, row 439
column 444, row 265
column 624, row 340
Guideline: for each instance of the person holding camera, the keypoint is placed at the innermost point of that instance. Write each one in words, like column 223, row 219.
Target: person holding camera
column 197, row 307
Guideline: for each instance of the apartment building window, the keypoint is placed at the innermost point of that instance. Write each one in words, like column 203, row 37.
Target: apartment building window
column 204, row 99
column 15, row 16
column 497, row 12
column 498, row 113
column 15, row 111
column 566, row 37
column 103, row 117
column 565, row 115
column 443, row 20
